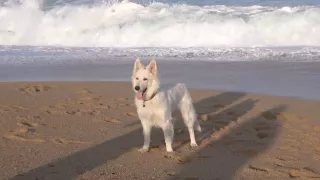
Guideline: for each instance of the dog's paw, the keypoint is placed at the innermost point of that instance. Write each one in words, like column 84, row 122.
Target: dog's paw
column 193, row 145
column 143, row 150
column 170, row 151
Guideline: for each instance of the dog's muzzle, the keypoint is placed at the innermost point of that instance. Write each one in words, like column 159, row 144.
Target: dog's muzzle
column 139, row 93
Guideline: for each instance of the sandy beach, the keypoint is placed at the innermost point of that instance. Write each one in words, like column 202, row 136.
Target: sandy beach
column 67, row 108
column 89, row 130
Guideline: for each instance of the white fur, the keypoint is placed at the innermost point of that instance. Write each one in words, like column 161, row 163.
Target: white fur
column 158, row 110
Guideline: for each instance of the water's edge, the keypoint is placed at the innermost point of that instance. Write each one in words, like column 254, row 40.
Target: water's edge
column 291, row 79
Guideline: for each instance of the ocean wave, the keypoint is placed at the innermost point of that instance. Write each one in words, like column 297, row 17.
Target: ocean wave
column 128, row 24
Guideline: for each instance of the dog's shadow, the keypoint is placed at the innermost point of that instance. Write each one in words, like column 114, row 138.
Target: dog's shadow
column 228, row 141
column 210, row 110
column 71, row 166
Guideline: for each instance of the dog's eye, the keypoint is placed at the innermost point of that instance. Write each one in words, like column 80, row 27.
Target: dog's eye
column 137, row 78
column 145, row 79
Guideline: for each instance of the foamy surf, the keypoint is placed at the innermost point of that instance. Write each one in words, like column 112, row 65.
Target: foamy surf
column 45, row 55
column 127, row 24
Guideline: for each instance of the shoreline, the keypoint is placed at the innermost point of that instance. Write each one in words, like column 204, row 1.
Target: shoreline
column 270, row 78
column 127, row 83
column 90, row 130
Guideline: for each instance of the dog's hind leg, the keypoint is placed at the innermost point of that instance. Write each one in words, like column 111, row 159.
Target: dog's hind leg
column 193, row 142
column 146, row 136
column 189, row 116
column 168, row 132
column 191, row 122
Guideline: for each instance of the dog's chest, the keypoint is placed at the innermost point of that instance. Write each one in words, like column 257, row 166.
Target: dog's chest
column 153, row 115
column 147, row 111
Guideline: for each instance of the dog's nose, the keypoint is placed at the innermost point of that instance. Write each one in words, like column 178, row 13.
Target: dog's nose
column 137, row 88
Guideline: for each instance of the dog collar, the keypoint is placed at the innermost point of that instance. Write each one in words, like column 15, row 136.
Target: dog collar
column 144, row 101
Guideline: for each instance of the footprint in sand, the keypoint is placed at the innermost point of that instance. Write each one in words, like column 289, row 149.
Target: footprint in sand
column 93, row 112
column 269, row 115
column 80, row 112
column 179, row 158
column 23, row 134
column 262, row 134
column 316, row 157
column 122, row 102
column 121, row 99
column 257, row 167
column 262, row 129
column 26, row 121
column 316, row 129
column 303, row 173
column 83, row 91
column 291, row 117
column 170, row 173
column 53, row 110
column 60, row 108
column 5, row 109
column 67, row 141
column 76, row 112
column 28, row 124
column 283, row 116
column 131, row 114
column 93, row 103
column 203, row 117
column 287, row 148
column 113, row 120
column 28, row 118
column 32, row 89
column 18, row 108
column 27, row 130
column 100, row 106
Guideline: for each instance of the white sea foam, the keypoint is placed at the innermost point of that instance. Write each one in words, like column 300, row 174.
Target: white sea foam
column 128, row 24
column 36, row 55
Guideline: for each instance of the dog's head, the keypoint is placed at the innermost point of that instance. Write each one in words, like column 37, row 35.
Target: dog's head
column 144, row 79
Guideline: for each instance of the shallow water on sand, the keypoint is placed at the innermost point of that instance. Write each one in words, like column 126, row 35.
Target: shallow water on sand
column 297, row 79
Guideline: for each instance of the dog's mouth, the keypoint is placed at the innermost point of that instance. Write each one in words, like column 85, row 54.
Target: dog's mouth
column 140, row 94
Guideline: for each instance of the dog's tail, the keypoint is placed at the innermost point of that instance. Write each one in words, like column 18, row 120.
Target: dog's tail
column 187, row 109
column 197, row 125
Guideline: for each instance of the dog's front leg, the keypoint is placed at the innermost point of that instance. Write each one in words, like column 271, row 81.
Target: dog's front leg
column 146, row 135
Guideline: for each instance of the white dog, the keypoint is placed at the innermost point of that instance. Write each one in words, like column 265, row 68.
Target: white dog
column 155, row 107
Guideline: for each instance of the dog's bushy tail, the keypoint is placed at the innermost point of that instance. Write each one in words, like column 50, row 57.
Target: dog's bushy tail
column 187, row 109
column 197, row 125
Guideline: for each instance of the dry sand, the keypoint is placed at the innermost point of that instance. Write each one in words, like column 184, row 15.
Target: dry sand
column 80, row 130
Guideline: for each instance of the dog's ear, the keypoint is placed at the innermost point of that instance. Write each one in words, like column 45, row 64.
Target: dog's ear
column 153, row 67
column 137, row 65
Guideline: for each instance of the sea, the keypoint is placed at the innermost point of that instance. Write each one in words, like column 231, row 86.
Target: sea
column 269, row 47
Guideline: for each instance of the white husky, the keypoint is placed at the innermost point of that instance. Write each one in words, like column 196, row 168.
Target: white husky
column 155, row 107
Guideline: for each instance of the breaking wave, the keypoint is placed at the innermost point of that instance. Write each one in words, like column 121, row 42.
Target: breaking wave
column 128, row 24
